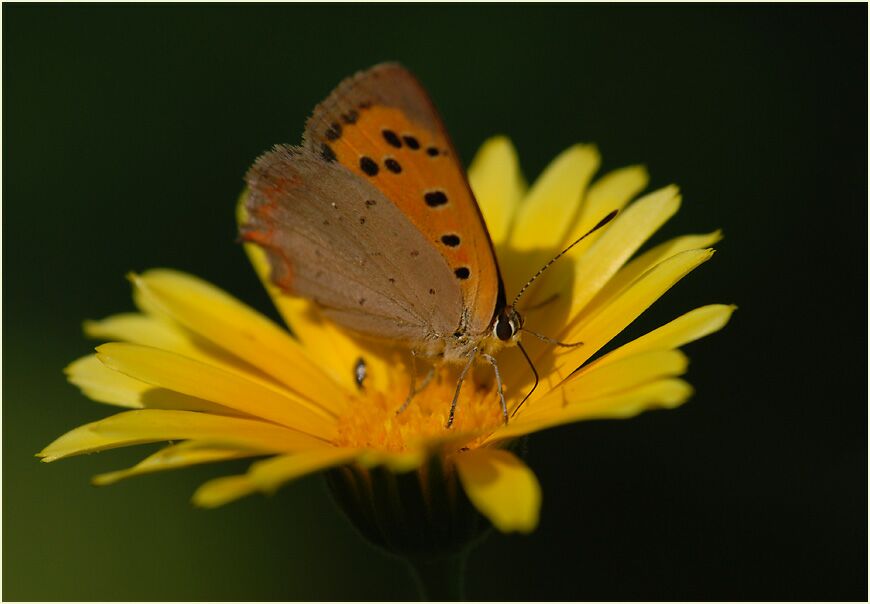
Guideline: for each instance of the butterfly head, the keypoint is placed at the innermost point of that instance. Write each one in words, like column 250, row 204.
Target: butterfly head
column 507, row 325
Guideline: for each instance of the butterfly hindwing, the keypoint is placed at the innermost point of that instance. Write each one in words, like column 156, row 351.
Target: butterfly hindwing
column 382, row 126
column 334, row 238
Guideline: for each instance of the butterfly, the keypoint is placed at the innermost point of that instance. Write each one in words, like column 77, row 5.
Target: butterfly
column 372, row 218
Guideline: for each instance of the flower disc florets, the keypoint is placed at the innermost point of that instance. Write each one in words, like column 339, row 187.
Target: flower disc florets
column 372, row 420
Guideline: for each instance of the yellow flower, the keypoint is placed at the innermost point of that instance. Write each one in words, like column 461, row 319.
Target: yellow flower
column 196, row 366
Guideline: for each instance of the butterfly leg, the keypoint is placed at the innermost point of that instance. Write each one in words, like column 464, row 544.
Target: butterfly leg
column 494, row 364
column 414, row 390
column 550, row 340
column 534, row 372
column 465, row 369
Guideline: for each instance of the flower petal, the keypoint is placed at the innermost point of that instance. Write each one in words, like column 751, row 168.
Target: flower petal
column 592, row 270
column 628, row 231
column 603, row 379
column 268, row 475
column 687, row 328
column 160, row 331
column 223, row 490
column 154, row 425
column 548, row 213
column 498, row 185
column 106, row 385
column 238, row 329
column 182, row 455
column 501, row 487
column 193, row 378
column 600, row 328
column 637, row 267
column 667, row 393
column 599, row 380
column 610, row 192
column 142, row 329
column 395, row 461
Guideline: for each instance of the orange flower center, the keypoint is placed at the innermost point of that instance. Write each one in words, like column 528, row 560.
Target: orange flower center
column 372, row 421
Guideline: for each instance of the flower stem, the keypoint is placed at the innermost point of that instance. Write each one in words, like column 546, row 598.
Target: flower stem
column 440, row 578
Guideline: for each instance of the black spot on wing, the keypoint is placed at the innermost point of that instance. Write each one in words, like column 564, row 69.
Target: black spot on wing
column 434, row 199
column 392, row 165
column 327, row 153
column 333, row 133
column 368, row 165
column 450, row 240
column 392, row 138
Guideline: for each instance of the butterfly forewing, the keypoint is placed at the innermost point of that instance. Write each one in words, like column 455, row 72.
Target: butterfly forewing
column 382, row 126
column 336, row 239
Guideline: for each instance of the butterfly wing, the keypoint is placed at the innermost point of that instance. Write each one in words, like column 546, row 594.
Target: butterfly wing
column 381, row 125
column 335, row 239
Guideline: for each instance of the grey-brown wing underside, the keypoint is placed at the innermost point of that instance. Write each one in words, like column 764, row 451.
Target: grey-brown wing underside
column 336, row 240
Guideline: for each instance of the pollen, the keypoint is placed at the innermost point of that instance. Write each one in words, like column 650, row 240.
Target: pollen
column 372, row 420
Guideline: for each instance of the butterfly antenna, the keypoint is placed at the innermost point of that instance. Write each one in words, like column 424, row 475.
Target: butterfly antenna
column 600, row 224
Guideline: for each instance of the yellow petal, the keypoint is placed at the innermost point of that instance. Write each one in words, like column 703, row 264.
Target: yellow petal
column 332, row 350
column 598, row 380
column 106, row 385
column 160, row 331
column 610, row 192
column 687, row 328
column 637, row 267
column 602, row 379
column 395, row 461
column 193, row 378
column 667, row 393
column 236, row 328
column 154, row 425
column 619, row 242
column 498, row 185
column 547, row 214
column 182, row 455
column 592, row 271
column 220, row 491
column 501, row 487
column 602, row 327
column 270, row 474
column 139, row 329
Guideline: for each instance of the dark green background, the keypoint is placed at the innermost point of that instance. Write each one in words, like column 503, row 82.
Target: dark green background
column 126, row 133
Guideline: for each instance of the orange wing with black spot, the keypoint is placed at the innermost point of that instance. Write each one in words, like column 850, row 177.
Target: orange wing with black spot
column 381, row 125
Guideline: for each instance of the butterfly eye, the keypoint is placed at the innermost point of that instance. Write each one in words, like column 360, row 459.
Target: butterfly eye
column 503, row 329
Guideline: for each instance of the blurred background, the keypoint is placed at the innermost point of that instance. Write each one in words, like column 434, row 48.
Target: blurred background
column 126, row 133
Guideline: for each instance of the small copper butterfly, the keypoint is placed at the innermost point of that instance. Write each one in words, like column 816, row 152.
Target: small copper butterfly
column 372, row 218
